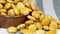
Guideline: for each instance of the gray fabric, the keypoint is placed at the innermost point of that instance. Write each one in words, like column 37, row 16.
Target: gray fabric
column 39, row 4
column 18, row 32
column 57, row 7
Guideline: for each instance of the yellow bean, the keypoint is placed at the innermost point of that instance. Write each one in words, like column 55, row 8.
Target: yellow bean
column 10, row 1
column 1, row 6
column 20, row 5
column 59, row 26
column 21, row 26
column 45, row 21
column 53, row 25
column 36, row 14
column 49, row 17
column 25, row 10
column 58, row 22
column 16, row 1
column 39, row 26
column 51, row 32
column 32, row 27
column 40, row 32
column 7, row 5
column 30, row 17
column 3, row 10
column 46, row 27
column 27, row 3
column 42, row 17
column 11, row 29
column 28, row 22
column 2, row 1
column 40, row 11
column 26, row 31
column 4, row 14
column 11, row 12
column 13, row 6
column 16, row 11
column 33, row 6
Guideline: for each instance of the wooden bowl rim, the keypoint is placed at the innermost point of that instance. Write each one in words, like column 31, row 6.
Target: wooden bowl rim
column 13, row 16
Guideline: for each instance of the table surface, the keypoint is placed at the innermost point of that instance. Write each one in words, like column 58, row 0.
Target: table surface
column 3, row 31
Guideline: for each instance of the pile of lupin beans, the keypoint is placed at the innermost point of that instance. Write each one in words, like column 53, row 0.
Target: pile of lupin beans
column 37, row 23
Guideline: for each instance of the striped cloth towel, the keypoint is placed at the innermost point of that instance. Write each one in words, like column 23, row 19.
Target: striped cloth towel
column 50, row 7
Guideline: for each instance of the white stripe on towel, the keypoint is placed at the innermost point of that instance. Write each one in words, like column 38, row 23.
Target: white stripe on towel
column 48, row 8
column 34, row 1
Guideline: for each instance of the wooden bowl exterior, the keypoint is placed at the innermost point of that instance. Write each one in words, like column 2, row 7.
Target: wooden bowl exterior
column 6, row 21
